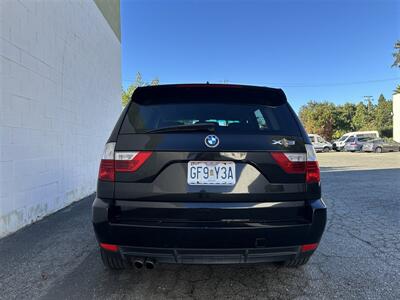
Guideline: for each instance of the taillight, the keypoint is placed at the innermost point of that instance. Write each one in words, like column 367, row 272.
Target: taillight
column 130, row 161
column 291, row 163
column 113, row 161
column 300, row 163
column 107, row 169
column 312, row 172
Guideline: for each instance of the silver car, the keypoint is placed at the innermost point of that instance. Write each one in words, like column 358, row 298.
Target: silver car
column 355, row 143
column 320, row 145
column 380, row 145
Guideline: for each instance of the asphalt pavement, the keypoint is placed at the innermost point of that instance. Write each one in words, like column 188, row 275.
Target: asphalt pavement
column 358, row 258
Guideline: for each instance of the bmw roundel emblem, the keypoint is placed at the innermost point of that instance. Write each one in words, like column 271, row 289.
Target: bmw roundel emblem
column 211, row 141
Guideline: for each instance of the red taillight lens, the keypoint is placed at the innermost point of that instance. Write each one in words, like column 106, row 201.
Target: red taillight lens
column 120, row 162
column 106, row 171
column 109, row 247
column 130, row 161
column 308, row 247
column 312, row 174
column 299, row 163
column 288, row 165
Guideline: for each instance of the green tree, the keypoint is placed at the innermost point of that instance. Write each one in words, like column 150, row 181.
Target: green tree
column 383, row 116
column 127, row 94
column 332, row 121
column 319, row 117
column 363, row 119
column 343, row 119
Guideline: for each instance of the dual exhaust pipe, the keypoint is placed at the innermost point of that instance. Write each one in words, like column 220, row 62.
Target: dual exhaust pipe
column 149, row 263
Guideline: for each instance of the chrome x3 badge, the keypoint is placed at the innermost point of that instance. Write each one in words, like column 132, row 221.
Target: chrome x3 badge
column 284, row 142
column 211, row 141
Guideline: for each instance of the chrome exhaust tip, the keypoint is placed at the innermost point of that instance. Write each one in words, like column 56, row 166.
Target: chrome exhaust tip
column 149, row 263
column 138, row 263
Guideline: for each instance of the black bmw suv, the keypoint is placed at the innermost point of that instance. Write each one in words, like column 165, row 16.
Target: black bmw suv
column 208, row 174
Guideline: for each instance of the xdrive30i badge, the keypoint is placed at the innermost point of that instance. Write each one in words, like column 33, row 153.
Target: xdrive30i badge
column 211, row 141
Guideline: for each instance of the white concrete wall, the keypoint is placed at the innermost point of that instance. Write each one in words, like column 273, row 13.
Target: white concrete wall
column 396, row 117
column 60, row 97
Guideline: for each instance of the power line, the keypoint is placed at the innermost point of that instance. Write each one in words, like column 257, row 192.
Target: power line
column 301, row 85
column 307, row 85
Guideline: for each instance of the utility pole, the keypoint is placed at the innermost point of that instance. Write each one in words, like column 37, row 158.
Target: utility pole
column 368, row 100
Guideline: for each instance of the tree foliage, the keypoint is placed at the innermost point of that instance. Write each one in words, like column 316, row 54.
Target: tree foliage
column 332, row 121
column 318, row 117
column 396, row 63
column 127, row 94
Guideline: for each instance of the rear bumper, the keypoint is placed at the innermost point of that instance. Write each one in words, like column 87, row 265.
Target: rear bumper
column 352, row 148
column 337, row 148
column 367, row 149
column 226, row 241
column 213, row 256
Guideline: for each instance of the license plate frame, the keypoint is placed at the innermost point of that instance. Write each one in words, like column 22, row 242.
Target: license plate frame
column 219, row 173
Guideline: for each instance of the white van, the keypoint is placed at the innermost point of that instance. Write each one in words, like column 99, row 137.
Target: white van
column 338, row 145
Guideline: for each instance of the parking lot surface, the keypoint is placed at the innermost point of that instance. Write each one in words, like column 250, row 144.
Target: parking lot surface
column 358, row 258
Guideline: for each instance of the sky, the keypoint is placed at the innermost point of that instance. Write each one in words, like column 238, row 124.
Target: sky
column 335, row 50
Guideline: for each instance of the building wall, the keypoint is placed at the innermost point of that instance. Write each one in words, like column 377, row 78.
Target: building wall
column 396, row 117
column 60, row 97
column 111, row 11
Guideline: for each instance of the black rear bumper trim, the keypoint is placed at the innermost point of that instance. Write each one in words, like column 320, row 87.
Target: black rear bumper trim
column 212, row 256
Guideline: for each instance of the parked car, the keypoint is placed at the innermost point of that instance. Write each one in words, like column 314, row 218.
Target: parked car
column 381, row 145
column 208, row 174
column 338, row 145
column 319, row 143
column 355, row 143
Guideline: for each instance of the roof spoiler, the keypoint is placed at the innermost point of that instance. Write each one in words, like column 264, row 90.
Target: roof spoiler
column 204, row 93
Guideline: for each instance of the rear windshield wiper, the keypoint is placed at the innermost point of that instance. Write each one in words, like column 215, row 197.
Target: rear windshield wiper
column 192, row 127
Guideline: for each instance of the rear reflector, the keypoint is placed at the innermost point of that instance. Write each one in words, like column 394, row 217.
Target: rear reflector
column 308, row 247
column 109, row 247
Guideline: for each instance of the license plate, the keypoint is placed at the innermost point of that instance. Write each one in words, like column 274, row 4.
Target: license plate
column 211, row 173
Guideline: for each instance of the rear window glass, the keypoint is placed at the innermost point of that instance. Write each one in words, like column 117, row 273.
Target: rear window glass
column 228, row 118
column 363, row 139
column 351, row 139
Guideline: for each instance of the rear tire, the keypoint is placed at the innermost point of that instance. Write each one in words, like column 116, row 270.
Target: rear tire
column 297, row 262
column 111, row 260
column 378, row 150
column 326, row 149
